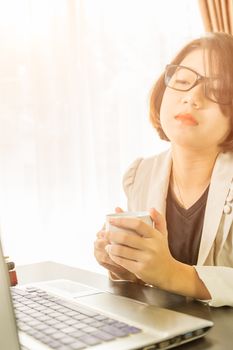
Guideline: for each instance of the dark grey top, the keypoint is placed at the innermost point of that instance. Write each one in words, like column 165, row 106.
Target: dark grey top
column 185, row 228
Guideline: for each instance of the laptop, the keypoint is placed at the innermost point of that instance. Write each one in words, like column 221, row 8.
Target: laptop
column 66, row 315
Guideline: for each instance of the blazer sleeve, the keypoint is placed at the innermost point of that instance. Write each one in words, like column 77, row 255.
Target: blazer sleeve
column 217, row 272
column 129, row 178
column 219, row 281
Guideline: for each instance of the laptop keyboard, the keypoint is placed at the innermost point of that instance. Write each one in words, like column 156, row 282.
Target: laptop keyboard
column 63, row 325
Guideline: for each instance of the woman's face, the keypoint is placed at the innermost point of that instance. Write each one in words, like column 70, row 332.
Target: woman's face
column 188, row 118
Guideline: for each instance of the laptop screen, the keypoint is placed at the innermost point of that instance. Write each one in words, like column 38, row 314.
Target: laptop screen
column 8, row 331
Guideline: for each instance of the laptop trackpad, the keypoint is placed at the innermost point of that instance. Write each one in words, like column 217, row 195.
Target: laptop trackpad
column 67, row 288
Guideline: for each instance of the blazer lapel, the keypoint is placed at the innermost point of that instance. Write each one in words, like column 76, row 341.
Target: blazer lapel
column 219, row 188
column 159, row 182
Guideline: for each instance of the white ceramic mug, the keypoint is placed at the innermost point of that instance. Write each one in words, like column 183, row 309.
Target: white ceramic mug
column 142, row 215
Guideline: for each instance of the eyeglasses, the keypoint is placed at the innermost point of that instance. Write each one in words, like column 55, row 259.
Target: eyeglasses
column 182, row 78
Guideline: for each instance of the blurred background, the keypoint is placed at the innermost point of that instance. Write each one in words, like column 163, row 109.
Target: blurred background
column 75, row 81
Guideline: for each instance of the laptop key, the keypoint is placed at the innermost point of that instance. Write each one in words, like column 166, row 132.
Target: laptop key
column 77, row 334
column 80, row 325
column 71, row 313
column 131, row 329
column 68, row 330
column 26, row 319
column 37, row 334
column 79, row 317
column 52, row 313
column 59, row 326
column 97, row 324
column 117, row 332
column 62, row 318
column 70, row 322
column 109, row 321
column 53, row 344
column 55, row 307
column 78, row 346
column 90, row 329
column 67, row 340
column 26, row 302
column 33, row 332
column 88, row 320
column 34, row 323
column 58, row 335
column 49, row 330
column 62, row 309
column 52, row 322
column 103, row 335
column 23, row 327
column 65, row 347
column 45, row 339
column 119, row 324
column 101, row 317
column 90, row 340
column 41, row 327
column 34, row 314
column 78, row 308
column 43, row 318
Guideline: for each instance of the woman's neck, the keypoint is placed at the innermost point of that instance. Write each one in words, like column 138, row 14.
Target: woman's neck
column 193, row 167
column 191, row 173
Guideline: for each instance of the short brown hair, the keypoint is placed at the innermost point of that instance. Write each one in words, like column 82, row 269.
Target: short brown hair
column 219, row 49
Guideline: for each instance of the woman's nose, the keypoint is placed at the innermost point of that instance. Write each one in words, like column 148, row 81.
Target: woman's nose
column 194, row 97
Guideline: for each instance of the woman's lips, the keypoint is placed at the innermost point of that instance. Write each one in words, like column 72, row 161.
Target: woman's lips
column 186, row 119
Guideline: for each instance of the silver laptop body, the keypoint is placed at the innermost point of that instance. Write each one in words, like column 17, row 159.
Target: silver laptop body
column 160, row 328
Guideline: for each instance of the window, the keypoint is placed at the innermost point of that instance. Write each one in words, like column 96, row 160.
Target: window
column 75, row 78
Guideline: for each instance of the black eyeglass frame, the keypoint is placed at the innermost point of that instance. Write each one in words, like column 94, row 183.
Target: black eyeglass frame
column 199, row 79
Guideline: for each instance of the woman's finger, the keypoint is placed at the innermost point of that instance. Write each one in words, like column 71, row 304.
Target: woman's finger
column 119, row 210
column 101, row 234
column 123, row 252
column 159, row 221
column 100, row 244
column 127, row 238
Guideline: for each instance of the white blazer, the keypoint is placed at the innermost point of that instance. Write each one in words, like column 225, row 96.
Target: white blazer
column 146, row 184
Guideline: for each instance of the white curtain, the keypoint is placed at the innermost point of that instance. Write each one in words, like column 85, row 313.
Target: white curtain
column 75, row 77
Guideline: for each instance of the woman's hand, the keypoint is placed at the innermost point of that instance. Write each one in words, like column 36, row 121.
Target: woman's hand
column 146, row 254
column 101, row 255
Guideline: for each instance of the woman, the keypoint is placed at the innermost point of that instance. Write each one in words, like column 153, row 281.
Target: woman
column 188, row 188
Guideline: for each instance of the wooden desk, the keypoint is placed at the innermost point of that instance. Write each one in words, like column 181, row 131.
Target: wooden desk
column 220, row 336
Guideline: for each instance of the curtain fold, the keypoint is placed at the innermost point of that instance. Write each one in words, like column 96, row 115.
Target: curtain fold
column 217, row 15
